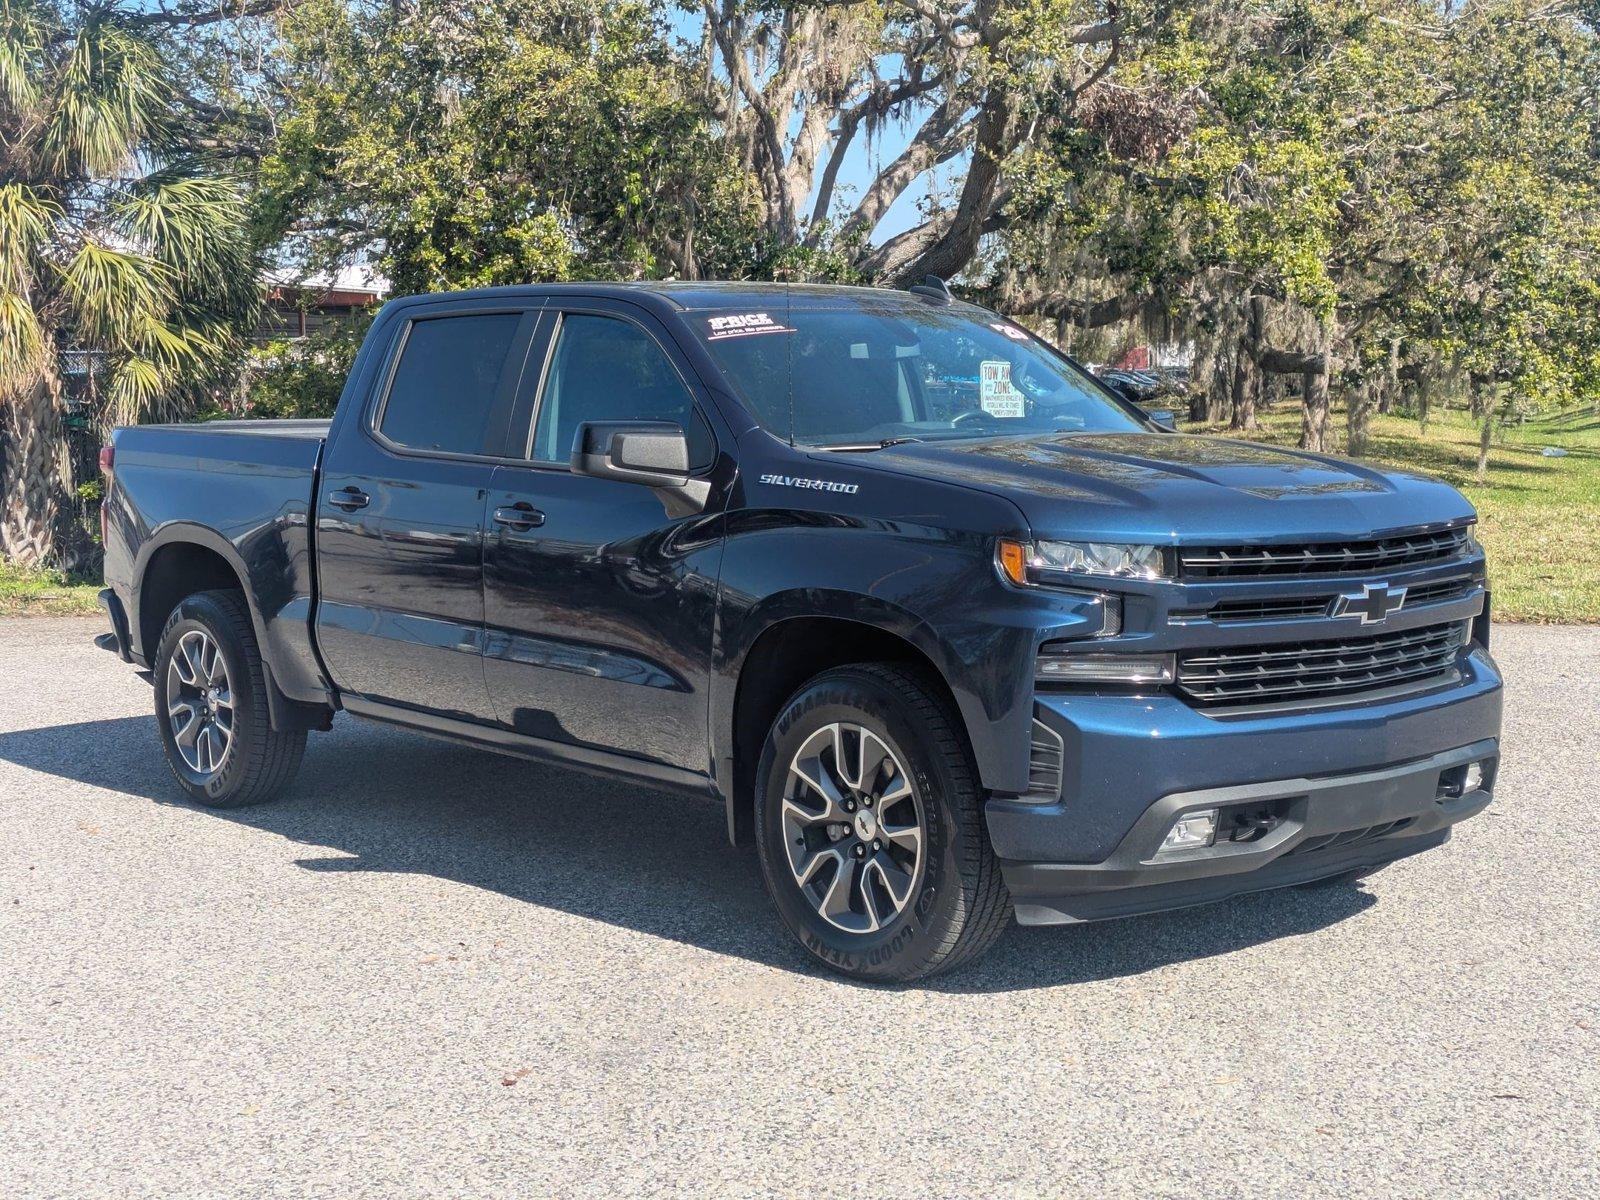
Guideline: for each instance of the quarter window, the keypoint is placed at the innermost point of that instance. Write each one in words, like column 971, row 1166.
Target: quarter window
column 447, row 392
column 606, row 369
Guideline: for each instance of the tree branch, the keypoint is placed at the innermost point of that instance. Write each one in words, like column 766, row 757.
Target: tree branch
column 190, row 18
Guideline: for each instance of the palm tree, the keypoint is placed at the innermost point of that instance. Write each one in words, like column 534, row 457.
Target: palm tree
column 116, row 246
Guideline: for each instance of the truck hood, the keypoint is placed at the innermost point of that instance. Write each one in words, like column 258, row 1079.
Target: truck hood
column 1165, row 487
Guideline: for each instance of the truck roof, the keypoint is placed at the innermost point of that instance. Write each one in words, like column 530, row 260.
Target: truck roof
column 687, row 296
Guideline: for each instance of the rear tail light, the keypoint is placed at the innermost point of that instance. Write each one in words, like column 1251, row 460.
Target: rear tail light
column 108, row 457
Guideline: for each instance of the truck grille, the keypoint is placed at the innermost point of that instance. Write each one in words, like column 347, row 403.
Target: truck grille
column 1309, row 670
column 1283, row 608
column 1323, row 558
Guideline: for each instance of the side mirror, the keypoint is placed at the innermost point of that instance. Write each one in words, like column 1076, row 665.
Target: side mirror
column 652, row 453
column 1164, row 420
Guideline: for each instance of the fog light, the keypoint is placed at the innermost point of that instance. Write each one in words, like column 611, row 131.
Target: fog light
column 1460, row 781
column 1130, row 669
column 1192, row 831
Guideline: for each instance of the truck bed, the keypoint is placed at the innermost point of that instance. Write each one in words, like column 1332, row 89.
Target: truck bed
column 243, row 489
column 295, row 428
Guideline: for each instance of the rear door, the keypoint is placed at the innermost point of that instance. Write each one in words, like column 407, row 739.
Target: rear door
column 599, row 606
column 401, row 514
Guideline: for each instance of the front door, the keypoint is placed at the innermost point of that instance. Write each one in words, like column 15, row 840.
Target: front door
column 401, row 515
column 598, row 606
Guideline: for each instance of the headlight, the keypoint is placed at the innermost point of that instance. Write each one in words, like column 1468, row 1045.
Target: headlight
column 1025, row 563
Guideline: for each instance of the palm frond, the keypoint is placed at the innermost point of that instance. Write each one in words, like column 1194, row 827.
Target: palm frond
column 175, row 348
column 112, row 93
column 192, row 224
column 115, row 294
column 22, row 39
column 136, row 388
column 25, row 221
column 21, row 341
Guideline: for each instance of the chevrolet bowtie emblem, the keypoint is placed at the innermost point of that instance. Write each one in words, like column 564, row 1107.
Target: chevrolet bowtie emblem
column 1373, row 603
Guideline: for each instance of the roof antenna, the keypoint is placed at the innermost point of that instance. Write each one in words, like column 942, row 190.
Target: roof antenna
column 788, row 344
column 933, row 288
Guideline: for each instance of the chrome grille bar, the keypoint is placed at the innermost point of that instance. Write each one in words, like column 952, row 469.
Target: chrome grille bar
column 1333, row 558
column 1314, row 669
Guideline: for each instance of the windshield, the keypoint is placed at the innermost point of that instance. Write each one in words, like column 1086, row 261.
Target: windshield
column 864, row 375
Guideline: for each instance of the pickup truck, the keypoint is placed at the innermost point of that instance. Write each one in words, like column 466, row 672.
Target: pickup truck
column 952, row 631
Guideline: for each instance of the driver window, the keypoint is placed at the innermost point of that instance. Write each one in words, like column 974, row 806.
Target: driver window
column 608, row 369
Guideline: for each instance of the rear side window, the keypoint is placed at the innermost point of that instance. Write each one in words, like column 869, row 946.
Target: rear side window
column 447, row 392
column 606, row 369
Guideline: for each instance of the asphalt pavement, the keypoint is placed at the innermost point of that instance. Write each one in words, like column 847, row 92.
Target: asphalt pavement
column 430, row 972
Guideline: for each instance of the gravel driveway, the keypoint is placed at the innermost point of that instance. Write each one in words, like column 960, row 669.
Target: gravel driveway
column 430, row 972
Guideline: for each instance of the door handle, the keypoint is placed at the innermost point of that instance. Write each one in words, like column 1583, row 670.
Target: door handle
column 520, row 515
column 349, row 499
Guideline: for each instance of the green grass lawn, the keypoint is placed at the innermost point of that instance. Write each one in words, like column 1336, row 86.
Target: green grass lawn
column 1539, row 517
column 46, row 593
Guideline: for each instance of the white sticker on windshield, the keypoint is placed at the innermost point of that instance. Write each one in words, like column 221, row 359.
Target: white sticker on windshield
column 742, row 325
column 996, row 395
column 1011, row 331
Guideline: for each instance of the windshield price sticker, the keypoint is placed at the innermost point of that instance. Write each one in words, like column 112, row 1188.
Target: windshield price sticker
column 742, row 325
column 996, row 395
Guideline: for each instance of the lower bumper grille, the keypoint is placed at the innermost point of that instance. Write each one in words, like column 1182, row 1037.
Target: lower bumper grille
column 1310, row 670
column 1352, row 837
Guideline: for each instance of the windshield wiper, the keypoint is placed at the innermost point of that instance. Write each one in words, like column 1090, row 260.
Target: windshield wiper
column 883, row 445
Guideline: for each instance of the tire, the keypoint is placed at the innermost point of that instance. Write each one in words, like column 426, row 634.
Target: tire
column 243, row 760
column 915, row 905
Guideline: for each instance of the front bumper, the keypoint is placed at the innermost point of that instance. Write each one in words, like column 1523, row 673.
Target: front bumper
column 1353, row 788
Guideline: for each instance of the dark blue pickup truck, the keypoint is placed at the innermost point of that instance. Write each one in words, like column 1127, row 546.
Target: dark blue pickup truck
column 952, row 631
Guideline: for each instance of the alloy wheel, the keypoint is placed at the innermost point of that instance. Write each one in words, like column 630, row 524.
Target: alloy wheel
column 853, row 828
column 200, row 702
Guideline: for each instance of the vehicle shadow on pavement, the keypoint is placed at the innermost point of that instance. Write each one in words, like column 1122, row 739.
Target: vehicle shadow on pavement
column 371, row 798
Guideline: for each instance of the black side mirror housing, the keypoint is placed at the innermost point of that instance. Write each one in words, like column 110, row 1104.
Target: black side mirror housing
column 1164, row 420
column 652, row 453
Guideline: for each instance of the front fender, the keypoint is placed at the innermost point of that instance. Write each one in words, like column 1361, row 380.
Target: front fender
column 936, row 589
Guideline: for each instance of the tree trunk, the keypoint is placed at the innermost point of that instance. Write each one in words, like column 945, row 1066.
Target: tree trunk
column 1358, row 415
column 1314, row 411
column 1205, row 359
column 1240, row 395
column 1483, row 400
column 33, row 477
column 1424, row 395
column 1478, row 385
column 1219, row 387
column 1391, row 378
column 1246, row 374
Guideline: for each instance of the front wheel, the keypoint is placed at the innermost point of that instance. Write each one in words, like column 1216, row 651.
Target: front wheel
column 869, row 826
column 211, row 706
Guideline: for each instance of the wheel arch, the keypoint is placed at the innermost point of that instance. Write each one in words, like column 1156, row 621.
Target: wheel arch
column 181, row 559
column 177, row 561
column 797, row 643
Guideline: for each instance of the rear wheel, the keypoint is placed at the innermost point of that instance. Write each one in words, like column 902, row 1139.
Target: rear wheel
column 211, row 706
column 869, row 826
